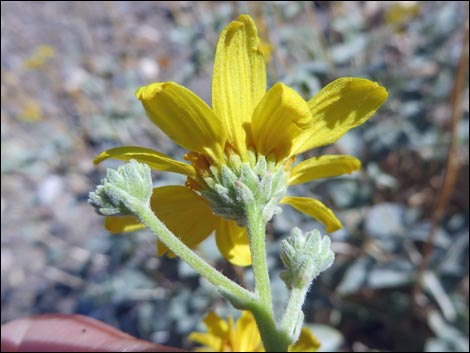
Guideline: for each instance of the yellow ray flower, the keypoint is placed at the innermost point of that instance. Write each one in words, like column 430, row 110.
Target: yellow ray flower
column 242, row 336
column 250, row 135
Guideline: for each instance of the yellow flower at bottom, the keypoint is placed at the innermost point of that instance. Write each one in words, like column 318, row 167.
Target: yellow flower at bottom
column 250, row 134
column 242, row 336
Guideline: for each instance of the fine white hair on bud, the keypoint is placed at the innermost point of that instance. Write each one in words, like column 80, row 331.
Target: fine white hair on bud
column 305, row 256
column 122, row 190
column 237, row 185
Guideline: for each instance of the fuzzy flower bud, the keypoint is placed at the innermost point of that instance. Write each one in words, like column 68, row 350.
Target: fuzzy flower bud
column 122, row 189
column 235, row 186
column 305, row 257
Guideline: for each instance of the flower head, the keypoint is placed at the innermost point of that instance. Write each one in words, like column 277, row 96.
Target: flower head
column 243, row 336
column 242, row 149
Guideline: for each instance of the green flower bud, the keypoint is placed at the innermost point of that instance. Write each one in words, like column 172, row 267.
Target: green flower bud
column 121, row 190
column 305, row 257
column 233, row 187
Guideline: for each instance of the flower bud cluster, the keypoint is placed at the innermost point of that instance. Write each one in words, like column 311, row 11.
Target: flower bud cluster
column 236, row 185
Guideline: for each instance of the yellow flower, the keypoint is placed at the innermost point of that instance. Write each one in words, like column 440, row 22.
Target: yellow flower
column 31, row 111
column 246, row 126
column 39, row 58
column 243, row 336
column 399, row 12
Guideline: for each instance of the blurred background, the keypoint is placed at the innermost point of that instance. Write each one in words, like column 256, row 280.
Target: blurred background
column 68, row 75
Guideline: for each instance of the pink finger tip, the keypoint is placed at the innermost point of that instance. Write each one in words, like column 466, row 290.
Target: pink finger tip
column 13, row 333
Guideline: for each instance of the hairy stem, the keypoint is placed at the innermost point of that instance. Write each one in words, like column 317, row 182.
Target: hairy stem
column 257, row 235
column 147, row 217
column 273, row 340
column 293, row 313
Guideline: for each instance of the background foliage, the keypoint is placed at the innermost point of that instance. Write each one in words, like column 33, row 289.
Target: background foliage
column 68, row 75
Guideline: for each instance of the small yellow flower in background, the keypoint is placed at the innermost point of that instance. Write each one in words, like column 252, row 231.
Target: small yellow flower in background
column 39, row 58
column 31, row 112
column 399, row 12
column 248, row 133
column 242, row 336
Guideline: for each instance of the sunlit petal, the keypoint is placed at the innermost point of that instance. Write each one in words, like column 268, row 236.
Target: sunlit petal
column 323, row 167
column 182, row 210
column 239, row 79
column 185, row 213
column 154, row 159
column 315, row 209
column 342, row 105
column 232, row 242
column 279, row 120
column 184, row 117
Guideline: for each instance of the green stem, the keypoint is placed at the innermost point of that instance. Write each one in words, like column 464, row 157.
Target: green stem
column 273, row 340
column 257, row 235
column 147, row 217
column 290, row 320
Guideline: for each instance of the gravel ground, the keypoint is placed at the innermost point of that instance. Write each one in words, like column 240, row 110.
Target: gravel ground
column 68, row 75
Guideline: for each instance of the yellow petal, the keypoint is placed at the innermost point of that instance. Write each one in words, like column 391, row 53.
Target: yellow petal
column 154, row 159
column 342, row 105
column 184, row 212
column 249, row 339
column 232, row 242
column 122, row 224
column 217, row 333
column 279, row 119
column 323, row 167
column 232, row 339
column 206, row 339
column 239, row 79
column 307, row 342
column 315, row 209
column 216, row 325
column 184, row 117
